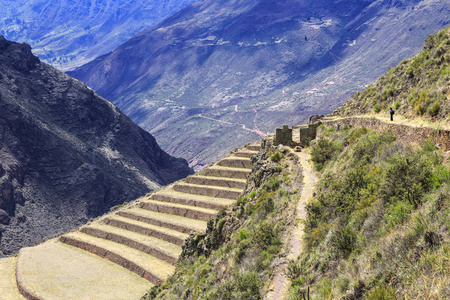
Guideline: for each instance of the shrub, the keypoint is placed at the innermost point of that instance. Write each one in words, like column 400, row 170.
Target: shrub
column 382, row 293
column 264, row 204
column 241, row 249
column 407, row 178
column 265, row 234
column 367, row 146
column 440, row 175
column 263, row 260
column 377, row 108
column 271, row 184
column 247, row 285
column 356, row 134
column 322, row 151
column 242, row 234
column 344, row 239
column 276, row 157
column 398, row 213
column 434, row 109
column 397, row 104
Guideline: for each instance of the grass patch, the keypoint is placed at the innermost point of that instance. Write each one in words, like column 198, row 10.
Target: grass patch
column 377, row 227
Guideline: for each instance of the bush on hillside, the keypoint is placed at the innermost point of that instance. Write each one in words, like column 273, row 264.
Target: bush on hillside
column 407, row 178
column 382, row 293
column 322, row 151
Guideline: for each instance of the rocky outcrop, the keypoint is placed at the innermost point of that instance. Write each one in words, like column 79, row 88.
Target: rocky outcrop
column 66, row 154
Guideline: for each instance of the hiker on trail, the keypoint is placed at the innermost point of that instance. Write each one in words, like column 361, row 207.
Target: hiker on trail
column 392, row 112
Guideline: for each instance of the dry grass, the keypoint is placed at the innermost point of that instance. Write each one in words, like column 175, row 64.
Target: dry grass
column 365, row 244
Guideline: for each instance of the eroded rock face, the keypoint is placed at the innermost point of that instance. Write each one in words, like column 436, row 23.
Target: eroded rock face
column 4, row 218
column 66, row 154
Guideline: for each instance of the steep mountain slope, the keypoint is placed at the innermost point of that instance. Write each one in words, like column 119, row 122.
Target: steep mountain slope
column 417, row 88
column 67, row 33
column 66, row 154
column 231, row 70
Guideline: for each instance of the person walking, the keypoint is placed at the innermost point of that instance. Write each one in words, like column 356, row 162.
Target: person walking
column 392, row 112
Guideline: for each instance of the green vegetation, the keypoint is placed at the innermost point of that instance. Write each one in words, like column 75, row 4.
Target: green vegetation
column 378, row 225
column 276, row 157
column 419, row 86
column 234, row 260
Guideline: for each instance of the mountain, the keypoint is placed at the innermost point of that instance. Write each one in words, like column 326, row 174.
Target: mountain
column 231, row 70
column 66, row 154
column 67, row 34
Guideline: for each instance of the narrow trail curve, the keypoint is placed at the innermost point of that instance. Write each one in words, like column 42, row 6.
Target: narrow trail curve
column 280, row 286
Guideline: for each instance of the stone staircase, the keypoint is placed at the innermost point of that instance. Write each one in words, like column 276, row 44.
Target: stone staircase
column 122, row 254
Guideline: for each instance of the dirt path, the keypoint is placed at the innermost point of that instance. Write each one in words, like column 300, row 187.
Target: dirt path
column 280, row 286
column 399, row 119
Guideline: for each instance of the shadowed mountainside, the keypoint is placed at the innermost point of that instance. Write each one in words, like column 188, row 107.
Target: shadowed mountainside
column 228, row 71
column 67, row 34
column 66, row 154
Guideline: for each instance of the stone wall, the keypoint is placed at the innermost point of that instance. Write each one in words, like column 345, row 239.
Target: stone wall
column 406, row 133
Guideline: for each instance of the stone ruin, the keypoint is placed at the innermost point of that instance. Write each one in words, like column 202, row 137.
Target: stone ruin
column 309, row 132
column 283, row 136
column 315, row 119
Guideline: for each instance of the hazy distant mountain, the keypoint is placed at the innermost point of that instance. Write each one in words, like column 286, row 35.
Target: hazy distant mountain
column 68, row 33
column 66, row 154
column 218, row 73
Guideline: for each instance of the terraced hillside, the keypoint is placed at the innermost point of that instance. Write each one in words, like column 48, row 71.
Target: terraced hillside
column 122, row 254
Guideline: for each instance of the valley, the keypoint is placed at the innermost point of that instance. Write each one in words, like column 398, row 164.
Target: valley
column 351, row 205
column 285, row 60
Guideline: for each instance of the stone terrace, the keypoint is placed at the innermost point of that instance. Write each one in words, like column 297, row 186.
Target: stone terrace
column 122, row 254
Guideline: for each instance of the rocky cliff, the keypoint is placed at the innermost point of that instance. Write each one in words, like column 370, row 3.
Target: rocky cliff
column 66, row 154
column 227, row 71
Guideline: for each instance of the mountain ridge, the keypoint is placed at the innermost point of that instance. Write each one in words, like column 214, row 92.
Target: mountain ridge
column 67, row 34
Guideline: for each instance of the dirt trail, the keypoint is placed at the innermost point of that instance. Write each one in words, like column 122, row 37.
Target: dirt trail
column 399, row 119
column 280, row 286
